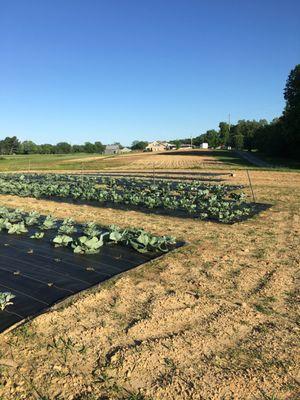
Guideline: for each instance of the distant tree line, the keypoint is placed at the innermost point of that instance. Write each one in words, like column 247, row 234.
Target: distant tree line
column 11, row 145
column 239, row 136
column 280, row 137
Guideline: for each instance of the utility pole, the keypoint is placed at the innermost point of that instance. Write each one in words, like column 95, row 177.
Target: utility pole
column 191, row 141
column 229, row 122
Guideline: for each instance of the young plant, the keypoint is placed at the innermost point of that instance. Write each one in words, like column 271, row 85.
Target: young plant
column 91, row 229
column 62, row 241
column 17, row 229
column 3, row 223
column 5, row 299
column 115, row 234
column 146, row 242
column 32, row 218
column 86, row 245
column 49, row 223
column 67, row 227
column 37, row 235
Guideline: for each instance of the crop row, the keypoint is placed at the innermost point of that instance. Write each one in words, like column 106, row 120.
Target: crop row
column 83, row 239
column 163, row 185
column 223, row 203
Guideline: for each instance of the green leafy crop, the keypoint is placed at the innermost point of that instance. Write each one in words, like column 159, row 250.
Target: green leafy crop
column 37, row 235
column 62, row 241
column 86, row 245
column 222, row 203
column 5, row 299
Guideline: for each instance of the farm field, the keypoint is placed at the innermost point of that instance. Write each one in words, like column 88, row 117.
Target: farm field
column 45, row 161
column 215, row 319
column 45, row 260
column 223, row 203
column 181, row 159
column 196, row 159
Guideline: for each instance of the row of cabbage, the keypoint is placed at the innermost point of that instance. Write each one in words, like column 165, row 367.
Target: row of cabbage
column 223, row 203
column 115, row 182
column 82, row 239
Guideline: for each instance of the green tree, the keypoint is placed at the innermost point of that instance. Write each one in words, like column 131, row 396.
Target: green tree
column 212, row 137
column 291, row 114
column 29, row 147
column 177, row 143
column 89, row 147
column 46, row 148
column 198, row 140
column 99, row 147
column 139, row 145
column 77, row 148
column 63, row 148
column 292, row 90
column 10, row 145
column 282, row 136
column 224, row 133
column 238, row 142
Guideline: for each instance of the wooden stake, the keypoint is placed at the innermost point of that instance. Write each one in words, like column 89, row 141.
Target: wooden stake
column 250, row 183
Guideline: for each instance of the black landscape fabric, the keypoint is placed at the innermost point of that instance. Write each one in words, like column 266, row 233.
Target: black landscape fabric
column 40, row 275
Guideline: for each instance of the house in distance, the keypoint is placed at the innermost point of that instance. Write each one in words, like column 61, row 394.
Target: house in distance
column 186, row 146
column 125, row 150
column 158, row 145
column 112, row 149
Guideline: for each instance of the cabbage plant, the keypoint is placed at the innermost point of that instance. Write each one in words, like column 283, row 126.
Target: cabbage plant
column 49, row 223
column 5, row 299
column 37, row 235
column 62, row 241
column 86, row 245
column 17, row 228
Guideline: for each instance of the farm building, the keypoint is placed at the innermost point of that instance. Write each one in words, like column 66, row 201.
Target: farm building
column 171, row 146
column 112, row 149
column 204, row 146
column 159, row 146
column 125, row 150
column 186, row 146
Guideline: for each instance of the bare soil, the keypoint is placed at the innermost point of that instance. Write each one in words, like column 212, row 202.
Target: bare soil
column 185, row 159
column 173, row 160
column 216, row 319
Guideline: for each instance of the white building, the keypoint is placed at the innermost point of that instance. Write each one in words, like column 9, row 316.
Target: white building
column 204, row 146
column 125, row 150
column 112, row 149
column 186, row 146
column 157, row 145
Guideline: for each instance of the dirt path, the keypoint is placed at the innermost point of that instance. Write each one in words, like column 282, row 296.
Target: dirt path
column 253, row 159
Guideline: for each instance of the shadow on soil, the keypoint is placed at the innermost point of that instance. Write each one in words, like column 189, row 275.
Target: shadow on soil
column 256, row 208
column 165, row 175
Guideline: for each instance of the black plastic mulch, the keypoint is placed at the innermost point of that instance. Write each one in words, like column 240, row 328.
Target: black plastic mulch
column 40, row 275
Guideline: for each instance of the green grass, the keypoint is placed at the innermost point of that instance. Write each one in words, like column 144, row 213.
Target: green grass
column 45, row 161
column 78, row 161
column 279, row 162
column 231, row 158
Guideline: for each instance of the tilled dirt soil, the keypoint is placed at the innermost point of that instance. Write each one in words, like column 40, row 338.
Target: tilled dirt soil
column 195, row 159
column 216, row 319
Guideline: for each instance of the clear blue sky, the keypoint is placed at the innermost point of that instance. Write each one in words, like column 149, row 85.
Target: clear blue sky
column 119, row 70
